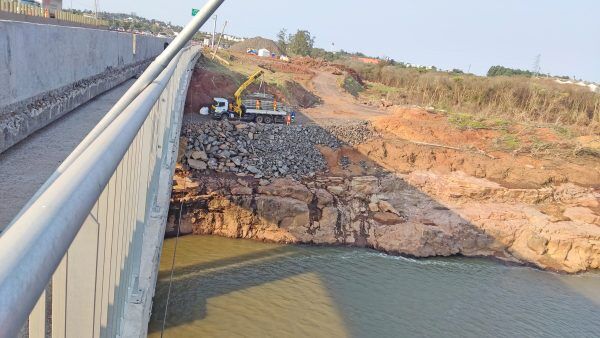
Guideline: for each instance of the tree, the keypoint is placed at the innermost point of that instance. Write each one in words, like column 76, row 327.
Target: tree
column 504, row 71
column 282, row 40
column 301, row 43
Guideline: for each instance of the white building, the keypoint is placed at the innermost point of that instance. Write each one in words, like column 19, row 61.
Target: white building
column 265, row 53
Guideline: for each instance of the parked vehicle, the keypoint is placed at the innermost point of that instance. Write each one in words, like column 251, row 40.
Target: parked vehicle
column 260, row 108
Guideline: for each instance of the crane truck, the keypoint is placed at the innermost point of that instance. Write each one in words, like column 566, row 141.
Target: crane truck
column 259, row 108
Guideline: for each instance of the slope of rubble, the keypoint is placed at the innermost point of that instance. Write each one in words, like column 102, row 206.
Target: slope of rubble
column 266, row 150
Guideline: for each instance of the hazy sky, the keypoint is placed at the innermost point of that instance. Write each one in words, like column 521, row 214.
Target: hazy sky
column 445, row 33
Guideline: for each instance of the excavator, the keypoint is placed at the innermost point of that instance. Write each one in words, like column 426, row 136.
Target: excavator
column 260, row 108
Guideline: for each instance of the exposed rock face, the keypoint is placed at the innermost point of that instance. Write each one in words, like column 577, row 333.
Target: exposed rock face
column 389, row 214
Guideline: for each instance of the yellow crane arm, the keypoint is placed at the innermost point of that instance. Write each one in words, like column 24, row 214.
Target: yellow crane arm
column 243, row 87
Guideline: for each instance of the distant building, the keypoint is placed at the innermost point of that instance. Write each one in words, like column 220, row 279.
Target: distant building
column 265, row 53
column 232, row 38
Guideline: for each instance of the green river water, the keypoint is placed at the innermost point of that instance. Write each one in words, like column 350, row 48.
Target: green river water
column 238, row 288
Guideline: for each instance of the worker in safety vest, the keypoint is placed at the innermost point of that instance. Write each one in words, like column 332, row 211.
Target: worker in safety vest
column 257, row 104
column 288, row 119
column 275, row 105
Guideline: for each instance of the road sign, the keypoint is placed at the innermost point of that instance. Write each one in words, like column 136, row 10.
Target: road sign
column 195, row 11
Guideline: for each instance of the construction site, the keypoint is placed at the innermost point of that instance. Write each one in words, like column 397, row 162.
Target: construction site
column 354, row 171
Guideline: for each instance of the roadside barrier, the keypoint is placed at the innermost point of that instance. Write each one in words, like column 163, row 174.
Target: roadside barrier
column 16, row 7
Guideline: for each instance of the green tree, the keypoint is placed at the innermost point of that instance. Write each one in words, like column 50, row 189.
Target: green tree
column 301, row 43
column 282, row 40
column 504, row 71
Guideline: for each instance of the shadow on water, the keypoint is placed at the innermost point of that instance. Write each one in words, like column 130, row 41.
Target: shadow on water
column 226, row 275
column 223, row 287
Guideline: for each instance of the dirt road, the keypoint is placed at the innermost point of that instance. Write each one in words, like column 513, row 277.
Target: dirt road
column 337, row 104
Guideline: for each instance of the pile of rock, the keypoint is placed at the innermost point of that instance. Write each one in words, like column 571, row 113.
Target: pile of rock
column 265, row 150
column 353, row 133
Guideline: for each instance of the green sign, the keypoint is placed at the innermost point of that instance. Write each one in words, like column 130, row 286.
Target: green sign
column 195, row 11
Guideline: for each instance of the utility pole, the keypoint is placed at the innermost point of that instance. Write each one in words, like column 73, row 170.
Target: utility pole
column 219, row 42
column 96, row 8
column 536, row 65
column 214, row 33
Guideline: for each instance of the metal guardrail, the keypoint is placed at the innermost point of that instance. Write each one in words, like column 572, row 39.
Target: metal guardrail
column 17, row 7
column 82, row 235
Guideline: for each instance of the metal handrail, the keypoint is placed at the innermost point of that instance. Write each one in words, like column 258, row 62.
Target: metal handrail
column 33, row 246
column 151, row 73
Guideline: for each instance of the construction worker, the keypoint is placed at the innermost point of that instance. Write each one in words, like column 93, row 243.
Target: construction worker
column 288, row 119
column 258, row 104
column 275, row 105
column 293, row 116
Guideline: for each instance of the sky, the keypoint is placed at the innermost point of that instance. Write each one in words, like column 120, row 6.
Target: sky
column 466, row 34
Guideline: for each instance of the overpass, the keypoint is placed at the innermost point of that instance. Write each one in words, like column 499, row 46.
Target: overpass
column 81, row 257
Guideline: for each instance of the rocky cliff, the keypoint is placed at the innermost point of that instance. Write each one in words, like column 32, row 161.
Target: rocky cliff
column 421, row 213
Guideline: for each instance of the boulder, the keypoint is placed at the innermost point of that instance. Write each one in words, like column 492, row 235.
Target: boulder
column 364, row 185
column 336, row 190
column 196, row 164
column 283, row 212
column 241, row 190
column 386, row 206
column 324, row 198
column 373, row 207
column 199, row 155
column 287, row 188
column 387, row 218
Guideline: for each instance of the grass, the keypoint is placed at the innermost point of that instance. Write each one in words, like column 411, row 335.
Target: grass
column 471, row 122
column 564, row 132
column 518, row 99
column 507, row 142
column 466, row 121
column 350, row 85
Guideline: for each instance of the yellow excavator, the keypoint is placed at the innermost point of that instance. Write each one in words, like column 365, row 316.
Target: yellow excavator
column 260, row 108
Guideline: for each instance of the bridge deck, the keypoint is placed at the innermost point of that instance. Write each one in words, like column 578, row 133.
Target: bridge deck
column 27, row 165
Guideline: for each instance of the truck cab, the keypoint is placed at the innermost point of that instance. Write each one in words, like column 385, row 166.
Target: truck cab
column 220, row 108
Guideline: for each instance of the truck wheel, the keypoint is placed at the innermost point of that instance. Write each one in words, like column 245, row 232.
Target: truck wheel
column 268, row 119
column 259, row 119
column 224, row 117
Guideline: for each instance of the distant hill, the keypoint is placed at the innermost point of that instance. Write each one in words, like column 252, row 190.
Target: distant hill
column 256, row 43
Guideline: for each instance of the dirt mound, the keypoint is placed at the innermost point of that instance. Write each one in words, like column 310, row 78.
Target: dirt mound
column 256, row 43
column 206, row 85
column 297, row 95
column 324, row 65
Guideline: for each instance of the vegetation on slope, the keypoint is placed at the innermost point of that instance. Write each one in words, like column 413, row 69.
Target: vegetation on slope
column 516, row 98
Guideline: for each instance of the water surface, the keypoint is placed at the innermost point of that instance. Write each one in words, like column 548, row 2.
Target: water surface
column 238, row 288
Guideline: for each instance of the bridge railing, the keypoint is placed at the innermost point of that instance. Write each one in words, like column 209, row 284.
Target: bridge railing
column 16, row 7
column 80, row 259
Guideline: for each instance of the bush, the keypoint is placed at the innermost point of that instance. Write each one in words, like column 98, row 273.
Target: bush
column 351, row 85
column 512, row 98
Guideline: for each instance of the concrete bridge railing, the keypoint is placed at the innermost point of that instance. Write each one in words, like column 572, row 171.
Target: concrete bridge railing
column 81, row 258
